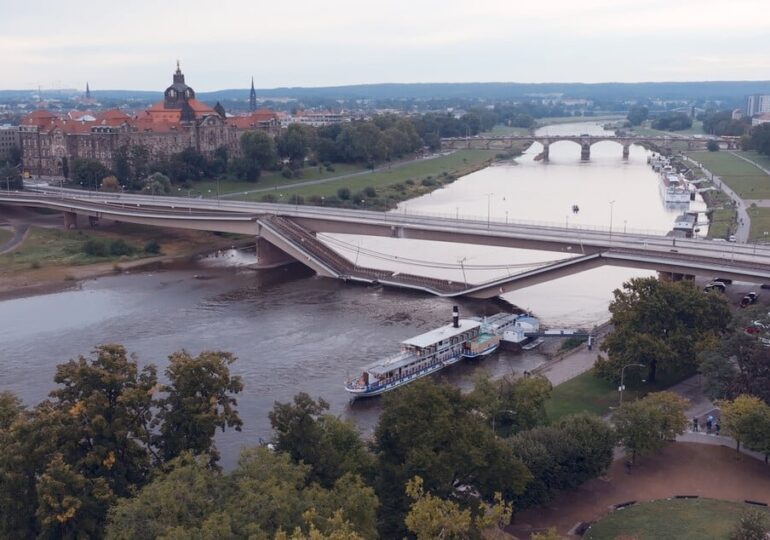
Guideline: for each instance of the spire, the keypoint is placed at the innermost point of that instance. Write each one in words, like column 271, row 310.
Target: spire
column 252, row 97
column 88, row 91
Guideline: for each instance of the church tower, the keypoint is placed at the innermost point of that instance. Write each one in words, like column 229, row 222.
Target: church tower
column 252, row 97
column 88, row 91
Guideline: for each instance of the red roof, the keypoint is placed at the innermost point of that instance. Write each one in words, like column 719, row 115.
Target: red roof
column 39, row 118
column 112, row 117
column 253, row 120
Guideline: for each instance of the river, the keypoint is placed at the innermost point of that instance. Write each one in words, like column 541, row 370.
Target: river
column 293, row 331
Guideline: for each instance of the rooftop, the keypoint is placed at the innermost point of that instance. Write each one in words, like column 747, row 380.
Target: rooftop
column 439, row 334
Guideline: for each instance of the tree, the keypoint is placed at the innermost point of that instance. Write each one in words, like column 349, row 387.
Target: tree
column 89, row 172
column 10, row 409
column 672, row 122
column 10, row 178
column 157, row 183
column 637, row 114
column 198, row 400
column 550, row 534
column 747, row 420
column 432, row 431
column 259, row 147
column 263, row 496
column 110, row 184
column 295, row 143
column 712, row 146
column 754, row 525
column 512, row 404
column 662, row 325
column 329, row 445
column 759, row 139
column 647, row 425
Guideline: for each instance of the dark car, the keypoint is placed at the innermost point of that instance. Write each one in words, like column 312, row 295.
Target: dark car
column 749, row 299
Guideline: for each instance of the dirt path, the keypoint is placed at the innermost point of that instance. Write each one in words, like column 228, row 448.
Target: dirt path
column 681, row 469
column 19, row 234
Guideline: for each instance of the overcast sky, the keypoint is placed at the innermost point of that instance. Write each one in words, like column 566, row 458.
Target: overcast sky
column 134, row 45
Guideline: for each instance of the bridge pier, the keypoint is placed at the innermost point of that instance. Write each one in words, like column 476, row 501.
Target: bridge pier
column 626, row 150
column 70, row 220
column 269, row 256
column 585, row 151
column 546, row 150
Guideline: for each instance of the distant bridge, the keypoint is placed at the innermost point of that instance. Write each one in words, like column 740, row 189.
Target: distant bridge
column 585, row 142
column 286, row 233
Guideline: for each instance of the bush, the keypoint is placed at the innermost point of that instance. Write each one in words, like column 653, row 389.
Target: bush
column 712, row 146
column 428, row 182
column 296, row 199
column 369, row 191
column 409, row 182
column 329, row 168
column 286, row 172
column 152, row 247
column 269, row 198
column 95, row 248
column 119, row 248
column 343, row 193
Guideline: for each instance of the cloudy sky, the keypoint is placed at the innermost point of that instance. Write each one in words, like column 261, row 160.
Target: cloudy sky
column 134, row 45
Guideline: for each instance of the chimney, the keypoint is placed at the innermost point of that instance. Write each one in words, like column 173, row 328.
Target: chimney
column 455, row 317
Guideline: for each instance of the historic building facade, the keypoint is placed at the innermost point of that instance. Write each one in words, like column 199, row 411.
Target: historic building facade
column 178, row 122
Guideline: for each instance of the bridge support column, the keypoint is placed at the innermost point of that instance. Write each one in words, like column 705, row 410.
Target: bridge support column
column 546, row 151
column 585, row 152
column 269, row 256
column 93, row 221
column 70, row 220
column 626, row 150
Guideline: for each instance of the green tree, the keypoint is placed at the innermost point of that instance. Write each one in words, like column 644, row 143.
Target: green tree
column 512, row 404
column 259, row 147
column 712, row 146
column 747, row 420
column 432, row 431
column 10, row 409
column 662, row 325
column 89, row 172
column 295, row 143
column 329, row 445
column 157, row 183
column 637, row 114
column 647, row 425
column 198, row 399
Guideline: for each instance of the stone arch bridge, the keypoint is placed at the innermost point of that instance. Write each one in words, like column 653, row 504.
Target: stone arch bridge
column 585, row 142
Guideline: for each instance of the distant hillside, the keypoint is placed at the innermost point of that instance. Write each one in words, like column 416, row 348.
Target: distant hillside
column 706, row 90
column 729, row 90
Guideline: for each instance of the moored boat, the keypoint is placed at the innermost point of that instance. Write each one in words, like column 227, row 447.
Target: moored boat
column 425, row 354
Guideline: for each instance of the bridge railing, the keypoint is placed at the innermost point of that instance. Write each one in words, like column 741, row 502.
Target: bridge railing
column 497, row 220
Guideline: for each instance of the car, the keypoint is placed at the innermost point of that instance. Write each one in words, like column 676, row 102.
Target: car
column 726, row 281
column 715, row 286
column 732, row 238
column 749, row 299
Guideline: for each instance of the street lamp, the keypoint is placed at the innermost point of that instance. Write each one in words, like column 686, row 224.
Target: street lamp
column 622, row 379
column 494, row 414
column 489, row 208
column 612, row 207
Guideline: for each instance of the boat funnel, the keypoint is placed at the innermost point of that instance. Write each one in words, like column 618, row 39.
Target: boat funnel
column 455, row 317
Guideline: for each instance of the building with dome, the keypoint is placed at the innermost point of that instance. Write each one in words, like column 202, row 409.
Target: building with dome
column 178, row 122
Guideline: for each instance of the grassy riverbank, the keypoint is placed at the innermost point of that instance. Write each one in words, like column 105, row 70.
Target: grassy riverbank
column 396, row 184
column 760, row 224
column 5, row 235
column 646, row 129
column 745, row 179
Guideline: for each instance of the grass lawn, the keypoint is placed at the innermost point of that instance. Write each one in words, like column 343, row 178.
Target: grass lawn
column 54, row 247
column 760, row 159
column 646, row 129
column 591, row 394
column 722, row 223
column 744, row 178
column 681, row 519
column 456, row 163
column 506, row 130
column 760, row 224
column 208, row 188
column 5, row 235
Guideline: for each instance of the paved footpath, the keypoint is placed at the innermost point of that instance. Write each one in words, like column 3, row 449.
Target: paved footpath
column 574, row 363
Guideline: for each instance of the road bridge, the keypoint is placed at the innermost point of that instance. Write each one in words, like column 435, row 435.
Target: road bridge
column 287, row 233
column 585, row 142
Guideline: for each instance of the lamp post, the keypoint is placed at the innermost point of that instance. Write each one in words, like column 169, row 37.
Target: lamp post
column 494, row 414
column 622, row 379
column 489, row 209
column 612, row 207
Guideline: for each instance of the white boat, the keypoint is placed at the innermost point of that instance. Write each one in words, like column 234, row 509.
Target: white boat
column 520, row 334
column 673, row 188
column 425, row 354
column 532, row 344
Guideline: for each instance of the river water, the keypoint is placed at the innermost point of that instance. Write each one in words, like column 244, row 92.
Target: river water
column 293, row 331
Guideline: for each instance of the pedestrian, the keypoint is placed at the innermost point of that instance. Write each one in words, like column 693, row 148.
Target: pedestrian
column 717, row 427
column 695, row 424
column 709, row 423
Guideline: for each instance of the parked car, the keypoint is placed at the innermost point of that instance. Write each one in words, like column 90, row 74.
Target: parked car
column 715, row 286
column 732, row 238
column 749, row 299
